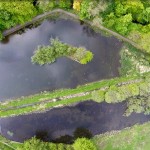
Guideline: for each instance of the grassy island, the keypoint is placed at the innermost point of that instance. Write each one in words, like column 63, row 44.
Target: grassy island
column 49, row 54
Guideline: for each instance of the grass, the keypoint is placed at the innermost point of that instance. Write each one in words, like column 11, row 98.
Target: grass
column 44, row 106
column 135, row 138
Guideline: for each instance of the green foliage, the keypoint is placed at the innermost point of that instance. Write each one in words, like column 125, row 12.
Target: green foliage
column 86, row 57
column 98, row 96
column 122, row 24
column 65, row 4
column 84, row 144
column 134, row 104
column 130, row 18
column 60, row 146
column 144, row 88
column 118, row 94
column 1, row 36
column 46, row 5
column 48, row 54
column 84, row 13
column 113, row 95
column 14, row 12
column 52, row 146
column 82, row 55
column 33, row 144
column 138, row 105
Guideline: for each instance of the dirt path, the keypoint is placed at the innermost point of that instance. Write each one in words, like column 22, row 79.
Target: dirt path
column 60, row 11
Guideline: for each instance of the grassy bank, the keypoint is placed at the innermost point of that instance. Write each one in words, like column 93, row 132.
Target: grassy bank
column 46, row 100
column 135, row 138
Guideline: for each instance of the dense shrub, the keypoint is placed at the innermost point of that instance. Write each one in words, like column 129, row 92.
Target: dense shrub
column 84, row 144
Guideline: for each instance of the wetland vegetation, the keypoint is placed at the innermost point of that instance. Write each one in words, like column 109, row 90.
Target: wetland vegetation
column 48, row 54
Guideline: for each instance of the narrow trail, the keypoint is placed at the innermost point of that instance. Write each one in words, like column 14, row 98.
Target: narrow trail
column 60, row 11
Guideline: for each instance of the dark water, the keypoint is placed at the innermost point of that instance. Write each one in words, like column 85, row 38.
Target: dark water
column 98, row 118
column 18, row 77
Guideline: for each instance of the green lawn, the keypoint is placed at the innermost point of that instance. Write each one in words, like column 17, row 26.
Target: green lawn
column 135, row 138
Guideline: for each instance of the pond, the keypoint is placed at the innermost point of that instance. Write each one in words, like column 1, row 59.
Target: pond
column 19, row 77
column 97, row 118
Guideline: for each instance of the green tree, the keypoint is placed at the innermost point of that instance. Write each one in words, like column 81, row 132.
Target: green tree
column 84, row 10
column 33, row 144
column 84, row 144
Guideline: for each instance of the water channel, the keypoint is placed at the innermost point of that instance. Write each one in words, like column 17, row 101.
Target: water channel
column 97, row 118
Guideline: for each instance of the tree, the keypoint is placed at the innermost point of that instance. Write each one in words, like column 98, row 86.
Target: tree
column 122, row 23
column 84, row 13
column 84, row 144
column 33, row 144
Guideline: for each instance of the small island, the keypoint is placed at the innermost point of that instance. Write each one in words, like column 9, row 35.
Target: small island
column 49, row 54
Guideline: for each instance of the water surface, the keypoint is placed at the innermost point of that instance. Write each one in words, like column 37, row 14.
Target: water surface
column 98, row 118
column 19, row 77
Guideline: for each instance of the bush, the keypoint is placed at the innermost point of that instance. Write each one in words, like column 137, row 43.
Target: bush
column 98, row 96
column 144, row 89
column 114, row 95
column 87, row 57
column 84, row 144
